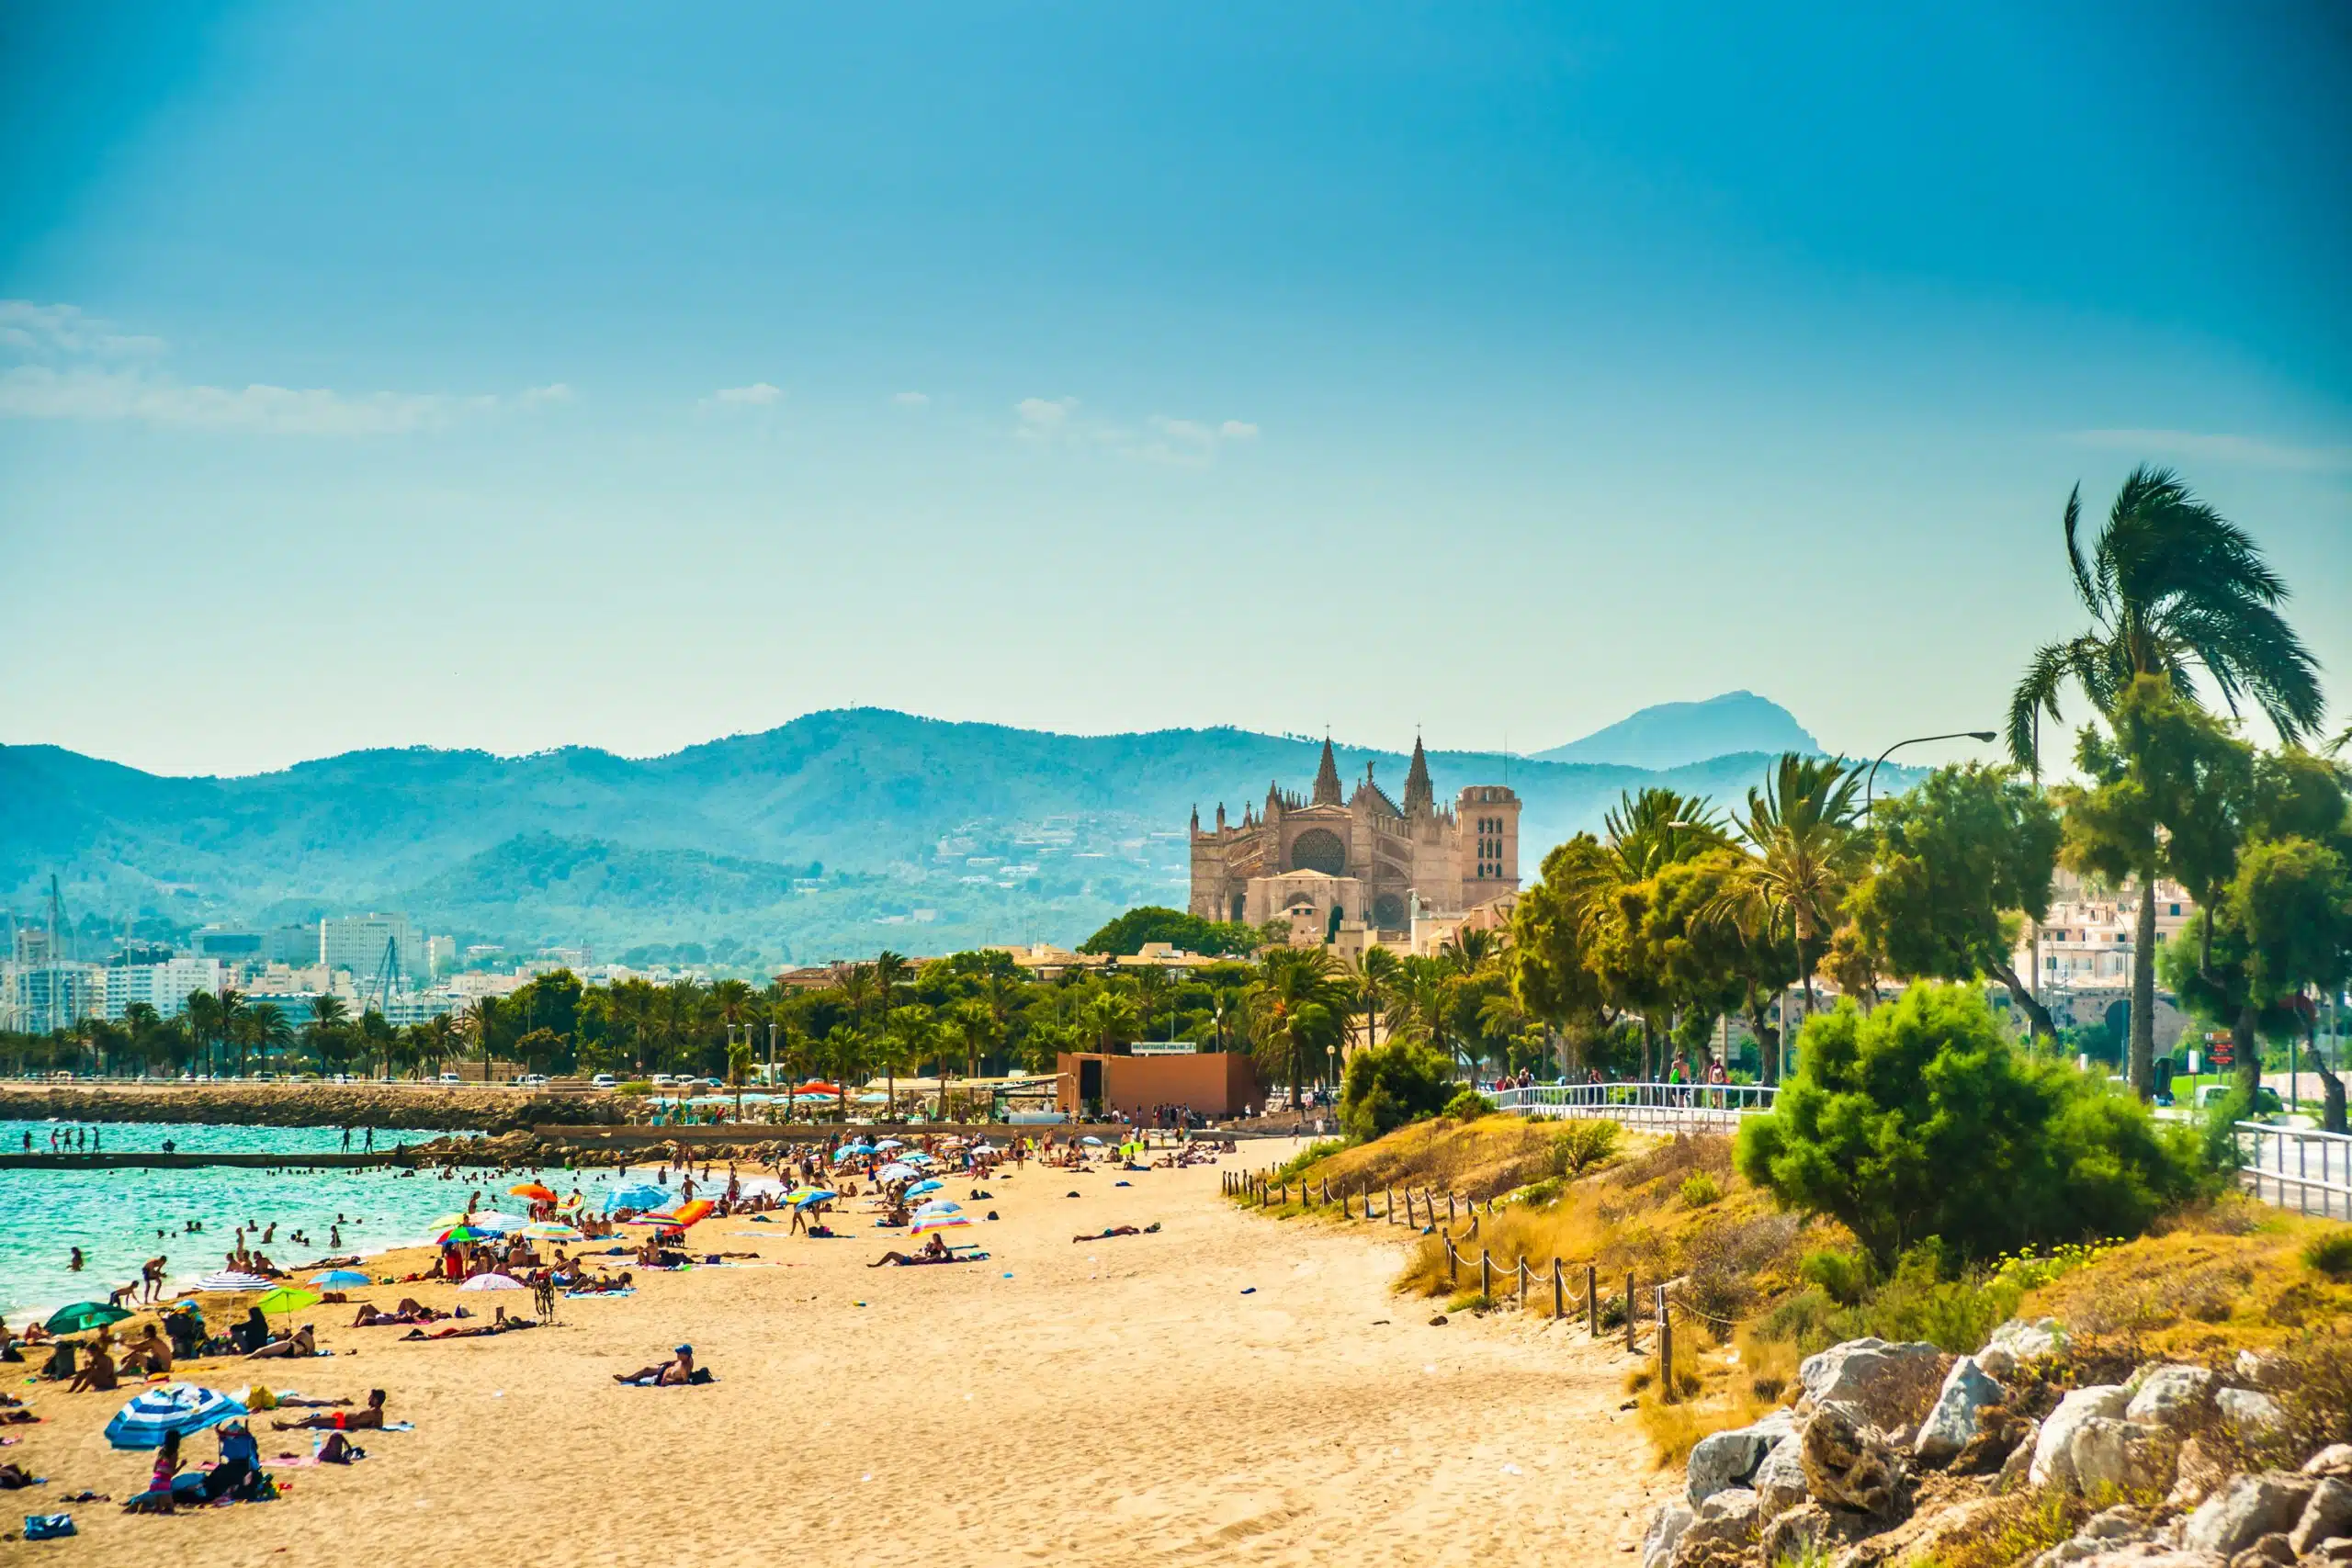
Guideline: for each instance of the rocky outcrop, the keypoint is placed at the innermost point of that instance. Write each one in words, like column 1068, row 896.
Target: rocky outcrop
column 1890, row 1386
column 1798, row 1532
column 2127, row 1457
column 2104, row 1533
column 2249, row 1412
column 2017, row 1345
column 475, row 1108
column 1721, row 1531
column 1664, row 1532
column 2170, row 1394
column 2326, row 1516
column 1952, row 1423
column 1779, row 1481
column 2052, row 1462
column 1722, row 1461
column 2246, row 1508
column 1848, row 1467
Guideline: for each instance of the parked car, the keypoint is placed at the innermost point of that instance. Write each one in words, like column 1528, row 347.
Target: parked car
column 606, row 1080
column 532, row 1080
column 451, row 1079
column 2266, row 1098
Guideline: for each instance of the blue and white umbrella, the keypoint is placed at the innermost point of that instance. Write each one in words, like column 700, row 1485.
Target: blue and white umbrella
column 855, row 1149
column 642, row 1197
column 888, row 1143
column 928, row 1184
column 941, row 1207
column 233, row 1280
column 175, row 1407
column 503, row 1224
column 340, row 1279
column 895, row 1172
column 820, row 1195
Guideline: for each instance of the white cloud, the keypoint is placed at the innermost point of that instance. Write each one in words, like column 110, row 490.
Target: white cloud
column 1042, row 419
column 911, row 399
column 70, row 365
column 2251, row 450
column 1237, row 430
column 759, row 394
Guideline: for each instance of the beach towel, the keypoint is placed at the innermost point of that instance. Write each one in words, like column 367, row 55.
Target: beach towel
column 592, row 1295
column 47, row 1526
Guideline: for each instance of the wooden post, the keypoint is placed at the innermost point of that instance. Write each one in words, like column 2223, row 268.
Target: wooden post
column 1445, row 1239
column 1343, row 1202
column 1388, row 1207
column 1521, row 1268
column 1631, row 1314
column 1559, row 1293
column 1486, row 1274
column 1665, row 1349
column 1449, row 1209
column 1592, row 1302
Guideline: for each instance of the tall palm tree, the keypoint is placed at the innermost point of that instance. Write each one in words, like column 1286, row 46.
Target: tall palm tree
column 1804, row 850
column 1295, row 1009
column 203, row 1014
column 328, row 1014
column 972, row 1026
column 1378, row 973
column 2175, row 591
column 266, row 1027
column 907, row 1033
column 231, row 1024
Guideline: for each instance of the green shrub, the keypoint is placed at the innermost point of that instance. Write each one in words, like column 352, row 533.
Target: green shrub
column 1321, row 1148
column 1468, row 1106
column 1922, row 1120
column 1699, row 1190
column 1841, row 1276
column 635, row 1086
column 2331, row 1253
column 1537, row 1193
column 1390, row 1085
column 1579, row 1146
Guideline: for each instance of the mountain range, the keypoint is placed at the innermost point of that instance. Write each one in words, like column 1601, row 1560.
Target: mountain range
column 796, row 843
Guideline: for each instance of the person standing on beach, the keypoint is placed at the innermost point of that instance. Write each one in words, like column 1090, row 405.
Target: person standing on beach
column 151, row 1278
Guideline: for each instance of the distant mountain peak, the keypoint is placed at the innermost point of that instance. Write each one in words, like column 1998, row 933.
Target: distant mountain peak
column 1673, row 734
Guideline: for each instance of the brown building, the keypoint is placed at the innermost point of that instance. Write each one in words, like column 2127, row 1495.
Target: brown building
column 1328, row 859
column 1217, row 1083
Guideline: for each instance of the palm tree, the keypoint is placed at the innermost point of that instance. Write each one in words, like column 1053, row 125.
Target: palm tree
column 203, row 1015
column 1377, row 975
column 970, row 1024
column 1295, row 1007
column 890, row 972
column 265, row 1025
column 479, row 1024
column 1804, row 853
column 327, row 1016
column 2175, row 591
column 231, row 1024
column 907, row 1033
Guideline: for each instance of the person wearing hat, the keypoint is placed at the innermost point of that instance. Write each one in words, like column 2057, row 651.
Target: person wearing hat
column 679, row 1368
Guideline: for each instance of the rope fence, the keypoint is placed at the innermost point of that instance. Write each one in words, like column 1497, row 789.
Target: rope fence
column 1263, row 1190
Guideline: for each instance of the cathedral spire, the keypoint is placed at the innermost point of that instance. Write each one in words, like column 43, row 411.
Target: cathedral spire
column 1326, row 777
column 1418, row 797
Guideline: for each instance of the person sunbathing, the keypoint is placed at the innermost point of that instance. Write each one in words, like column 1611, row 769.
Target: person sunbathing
column 301, row 1342
column 934, row 1251
column 1151, row 1229
column 677, row 1371
column 151, row 1352
column 502, row 1324
column 97, row 1372
column 369, row 1418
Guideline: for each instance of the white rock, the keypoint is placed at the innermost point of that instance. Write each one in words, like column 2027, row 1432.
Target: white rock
column 2016, row 1342
column 1953, row 1421
column 2249, row 1411
column 2051, row 1465
column 2246, row 1508
column 2325, row 1516
column 1780, row 1480
column 1722, row 1461
column 1727, row 1518
column 2170, row 1393
column 2130, row 1456
column 1887, row 1383
column 1666, row 1530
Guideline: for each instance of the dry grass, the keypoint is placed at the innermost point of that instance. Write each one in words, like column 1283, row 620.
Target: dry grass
column 2229, row 1277
column 1481, row 1159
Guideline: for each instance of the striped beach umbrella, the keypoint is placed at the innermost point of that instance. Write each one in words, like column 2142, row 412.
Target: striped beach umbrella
column 233, row 1280
column 340, row 1279
column 493, row 1283
column 174, row 1408
column 807, row 1195
column 937, row 1223
column 939, row 1206
column 548, row 1230
column 496, row 1224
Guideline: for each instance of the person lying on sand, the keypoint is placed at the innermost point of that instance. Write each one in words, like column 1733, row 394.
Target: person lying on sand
column 369, row 1418
column 677, row 1371
column 934, row 1251
column 409, row 1309
column 502, row 1324
column 1151, row 1229
column 301, row 1342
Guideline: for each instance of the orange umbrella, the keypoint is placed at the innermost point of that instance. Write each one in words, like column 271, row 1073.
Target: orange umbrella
column 688, row 1212
column 532, row 1190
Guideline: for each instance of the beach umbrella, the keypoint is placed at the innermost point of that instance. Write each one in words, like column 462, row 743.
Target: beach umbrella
column 493, row 1283
column 532, row 1190
column 808, row 1195
column 640, row 1196
column 1091, row 1138
column 461, row 1233
column 856, row 1148
column 496, row 1224
column 881, row 1144
column 896, row 1171
column 548, row 1230
column 937, row 1223
column 174, row 1408
column 816, row 1087
column 340, row 1279
column 685, row 1213
column 232, row 1280
column 83, row 1316
column 919, row 1158
column 942, row 1206
column 928, row 1184
column 288, row 1298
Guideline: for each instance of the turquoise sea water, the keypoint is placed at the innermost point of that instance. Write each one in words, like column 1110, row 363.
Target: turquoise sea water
column 113, row 1216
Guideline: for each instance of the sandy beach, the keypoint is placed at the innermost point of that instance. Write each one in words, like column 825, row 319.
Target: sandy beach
column 1231, row 1389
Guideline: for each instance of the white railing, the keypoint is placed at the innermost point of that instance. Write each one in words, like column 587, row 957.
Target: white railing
column 2297, row 1169
column 1684, row 1107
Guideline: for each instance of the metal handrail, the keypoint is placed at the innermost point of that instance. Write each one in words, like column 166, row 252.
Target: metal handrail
column 1683, row 1105
column 2274, row 1160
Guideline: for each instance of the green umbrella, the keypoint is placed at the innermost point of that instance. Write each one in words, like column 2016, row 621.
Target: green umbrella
column 83, row 1316
column 288, row 1298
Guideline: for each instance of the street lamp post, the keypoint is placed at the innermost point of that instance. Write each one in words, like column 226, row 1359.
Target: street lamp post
column 1869, row 784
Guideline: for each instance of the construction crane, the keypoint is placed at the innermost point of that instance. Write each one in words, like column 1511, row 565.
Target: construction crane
column 377, row 996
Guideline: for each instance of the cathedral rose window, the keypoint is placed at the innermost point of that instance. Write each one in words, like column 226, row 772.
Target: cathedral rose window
column 1319, row 848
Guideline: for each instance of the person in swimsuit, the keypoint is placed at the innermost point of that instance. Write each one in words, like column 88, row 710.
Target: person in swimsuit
column 370, row 1418
column 679, row 1368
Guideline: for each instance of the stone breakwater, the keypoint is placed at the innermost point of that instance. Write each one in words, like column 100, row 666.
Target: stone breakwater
column 459, row 1109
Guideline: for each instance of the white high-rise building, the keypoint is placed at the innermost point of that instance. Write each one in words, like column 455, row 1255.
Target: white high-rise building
column 163, row 986
column 357, row 942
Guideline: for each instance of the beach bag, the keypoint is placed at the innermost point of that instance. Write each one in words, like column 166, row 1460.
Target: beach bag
column 47, row 1526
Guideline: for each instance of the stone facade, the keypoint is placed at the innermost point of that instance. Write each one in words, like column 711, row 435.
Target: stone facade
column 1332, row 859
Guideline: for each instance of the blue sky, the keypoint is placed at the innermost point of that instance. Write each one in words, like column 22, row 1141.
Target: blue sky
column 520, row 375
